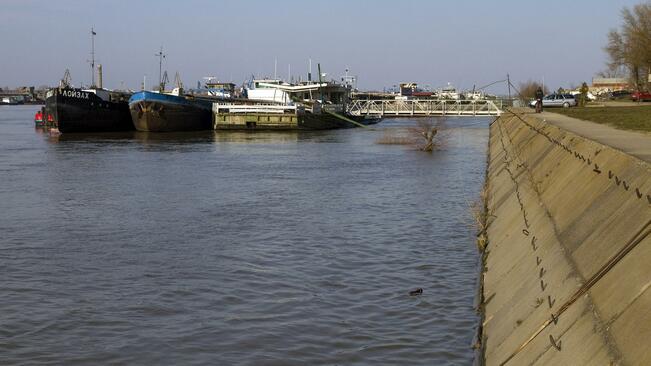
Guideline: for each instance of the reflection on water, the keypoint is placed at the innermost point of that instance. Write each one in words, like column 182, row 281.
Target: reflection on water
column 259, row 136
column 236, row 247
column 186, row 137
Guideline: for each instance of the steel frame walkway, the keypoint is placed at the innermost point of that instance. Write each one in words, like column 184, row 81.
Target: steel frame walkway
column 423, row 108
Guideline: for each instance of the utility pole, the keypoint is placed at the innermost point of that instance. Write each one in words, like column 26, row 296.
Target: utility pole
column 160, row 56
column 508, row 81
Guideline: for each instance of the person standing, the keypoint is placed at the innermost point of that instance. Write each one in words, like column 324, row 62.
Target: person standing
column 539, row 100
column 584, row 94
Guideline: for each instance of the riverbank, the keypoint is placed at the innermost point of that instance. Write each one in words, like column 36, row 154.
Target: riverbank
column 565, row 277
column 634, row 117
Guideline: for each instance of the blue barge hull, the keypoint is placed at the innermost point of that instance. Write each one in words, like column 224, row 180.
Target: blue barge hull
column 156, row 112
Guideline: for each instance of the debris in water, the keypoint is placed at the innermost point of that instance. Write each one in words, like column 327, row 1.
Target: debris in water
column 416, row 292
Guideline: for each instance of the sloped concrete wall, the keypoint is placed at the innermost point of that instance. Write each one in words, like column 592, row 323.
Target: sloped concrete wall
column 567, row 267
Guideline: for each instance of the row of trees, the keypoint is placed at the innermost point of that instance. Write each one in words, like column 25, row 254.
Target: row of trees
column 630, row 46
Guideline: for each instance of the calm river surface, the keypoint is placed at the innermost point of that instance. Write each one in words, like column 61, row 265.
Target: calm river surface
column 237, row 248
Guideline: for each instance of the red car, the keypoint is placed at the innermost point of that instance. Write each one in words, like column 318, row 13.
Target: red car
column 640, row 96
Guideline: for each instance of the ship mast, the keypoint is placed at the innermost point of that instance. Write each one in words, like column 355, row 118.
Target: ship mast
column 92, row 56
column 160, row 56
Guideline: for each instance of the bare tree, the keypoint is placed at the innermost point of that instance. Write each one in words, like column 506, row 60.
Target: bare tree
column 528, row 89
column 427, row 135
column 630, row 46
column 612, row 72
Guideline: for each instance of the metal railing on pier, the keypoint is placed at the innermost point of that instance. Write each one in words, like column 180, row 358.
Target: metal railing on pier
column 424, row 107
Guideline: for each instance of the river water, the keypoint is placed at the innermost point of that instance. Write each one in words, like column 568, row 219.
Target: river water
column 237, row 248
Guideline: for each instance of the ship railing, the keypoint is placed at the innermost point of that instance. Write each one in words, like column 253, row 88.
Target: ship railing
column 220, row 108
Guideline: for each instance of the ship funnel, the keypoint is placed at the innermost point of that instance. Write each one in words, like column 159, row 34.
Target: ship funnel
column 99, row 76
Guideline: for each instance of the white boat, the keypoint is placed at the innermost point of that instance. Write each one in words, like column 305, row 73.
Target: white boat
column 274, row 90
column 474, row 95
column 269, row 90
column 448, row 92
column 213, row 88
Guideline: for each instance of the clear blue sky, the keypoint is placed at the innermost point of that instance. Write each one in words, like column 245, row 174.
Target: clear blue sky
column 465, row 42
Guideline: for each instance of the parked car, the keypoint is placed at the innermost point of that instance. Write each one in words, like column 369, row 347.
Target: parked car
column 556, row 100
column 640, row 96
column 619, row 94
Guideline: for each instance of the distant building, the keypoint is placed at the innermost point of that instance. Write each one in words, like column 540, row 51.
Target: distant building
column 611, row 84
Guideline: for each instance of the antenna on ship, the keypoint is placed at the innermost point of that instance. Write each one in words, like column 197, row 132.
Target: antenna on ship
column 92, row 56
column 161, row 82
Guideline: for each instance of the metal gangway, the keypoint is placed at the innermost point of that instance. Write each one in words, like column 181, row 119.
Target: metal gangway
column 423, row 107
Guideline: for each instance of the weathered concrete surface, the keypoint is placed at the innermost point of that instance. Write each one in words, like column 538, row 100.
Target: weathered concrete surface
column 568, row 236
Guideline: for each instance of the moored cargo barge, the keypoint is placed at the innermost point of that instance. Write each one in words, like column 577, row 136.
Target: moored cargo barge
column 87, row 110
column 276, row 105
column 229, row 116
column 159, row 112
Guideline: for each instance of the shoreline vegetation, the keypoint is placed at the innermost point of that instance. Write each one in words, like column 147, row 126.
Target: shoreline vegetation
column 623, row 118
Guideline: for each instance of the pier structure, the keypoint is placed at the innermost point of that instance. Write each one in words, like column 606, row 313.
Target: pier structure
column 423, row 107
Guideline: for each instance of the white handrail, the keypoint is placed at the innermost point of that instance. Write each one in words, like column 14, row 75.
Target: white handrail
column 423, row 107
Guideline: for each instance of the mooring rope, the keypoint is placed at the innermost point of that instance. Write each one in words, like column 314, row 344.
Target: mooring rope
column 344, row 118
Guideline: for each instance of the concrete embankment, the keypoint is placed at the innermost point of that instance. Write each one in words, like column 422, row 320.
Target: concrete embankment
column 567, row 266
